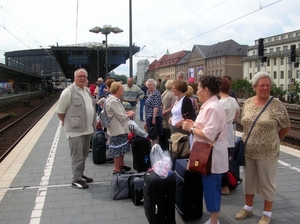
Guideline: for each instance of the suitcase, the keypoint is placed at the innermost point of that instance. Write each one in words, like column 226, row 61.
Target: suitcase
column 99, row 147
column 232, row 166
column 136, row 184
column 141, row 148
column 119, row 185
column 189, row 192
column 159, row 198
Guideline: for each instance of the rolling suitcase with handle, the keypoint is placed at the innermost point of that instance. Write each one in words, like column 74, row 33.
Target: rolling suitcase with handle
column 141, row 148
column 189, row 192
column 99, row 147
column 159, row 198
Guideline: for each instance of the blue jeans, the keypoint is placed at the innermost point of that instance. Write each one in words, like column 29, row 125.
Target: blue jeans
column 142, row 104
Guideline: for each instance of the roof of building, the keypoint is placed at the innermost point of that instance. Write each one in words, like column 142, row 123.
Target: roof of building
column 228, row 47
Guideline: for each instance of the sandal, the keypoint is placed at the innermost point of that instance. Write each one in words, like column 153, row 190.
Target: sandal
column 125, row 168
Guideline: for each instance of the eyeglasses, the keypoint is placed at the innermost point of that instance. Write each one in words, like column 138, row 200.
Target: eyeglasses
column 81, row 76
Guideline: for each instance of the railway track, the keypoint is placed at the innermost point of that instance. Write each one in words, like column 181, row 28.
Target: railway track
column 12, row 133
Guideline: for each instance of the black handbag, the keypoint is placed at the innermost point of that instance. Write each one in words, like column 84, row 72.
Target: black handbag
column 153, row 133
column 239, row 149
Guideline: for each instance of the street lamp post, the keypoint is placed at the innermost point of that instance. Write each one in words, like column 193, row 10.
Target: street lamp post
column 105, row 30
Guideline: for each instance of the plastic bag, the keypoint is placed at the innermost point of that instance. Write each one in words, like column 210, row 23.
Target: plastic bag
column 136, row 129
column 161, row 161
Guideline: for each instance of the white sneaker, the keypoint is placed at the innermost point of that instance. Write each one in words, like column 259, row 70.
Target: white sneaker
column 208, row 222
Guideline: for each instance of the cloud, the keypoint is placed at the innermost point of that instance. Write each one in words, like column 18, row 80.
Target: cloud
column 160, row 25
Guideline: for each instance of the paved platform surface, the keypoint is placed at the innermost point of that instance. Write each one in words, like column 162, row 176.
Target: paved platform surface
column 35, row 187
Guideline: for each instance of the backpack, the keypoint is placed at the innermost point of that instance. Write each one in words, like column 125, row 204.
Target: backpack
column 105, row 121
column 180, row 146
column 234, row 181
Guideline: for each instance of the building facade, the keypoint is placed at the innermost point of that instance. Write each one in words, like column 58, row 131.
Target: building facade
column 277, row 51
column 223, row 58
column 141, row 69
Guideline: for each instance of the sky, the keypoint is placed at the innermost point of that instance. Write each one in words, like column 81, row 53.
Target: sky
column 157, row 25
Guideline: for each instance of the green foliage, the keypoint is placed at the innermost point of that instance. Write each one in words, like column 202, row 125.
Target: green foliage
column 277, row 92
column 243, row 88
column 122, row 78
column 295, row 89
column 12, row 114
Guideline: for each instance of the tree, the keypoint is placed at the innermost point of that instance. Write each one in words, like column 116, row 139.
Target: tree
column 277, row 92
column 295, row 89
column 243, row 88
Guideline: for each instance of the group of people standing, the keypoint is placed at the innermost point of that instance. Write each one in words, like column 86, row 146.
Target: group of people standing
column 174, row 109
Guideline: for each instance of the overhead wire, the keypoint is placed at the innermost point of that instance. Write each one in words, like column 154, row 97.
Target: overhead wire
column 224, row 24
column 5, row 28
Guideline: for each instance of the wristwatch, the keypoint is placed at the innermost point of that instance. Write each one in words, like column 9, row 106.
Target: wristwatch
column 192, row 129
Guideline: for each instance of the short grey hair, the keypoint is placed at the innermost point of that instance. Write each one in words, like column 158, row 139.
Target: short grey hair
column 260, row 75
column 81, row 69
column 152, row 81
column 180, row 74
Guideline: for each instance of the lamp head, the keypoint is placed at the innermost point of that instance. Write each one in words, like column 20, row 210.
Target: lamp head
column 96, row 29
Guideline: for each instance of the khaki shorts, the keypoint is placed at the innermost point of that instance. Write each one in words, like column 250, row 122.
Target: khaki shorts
column 260, row 178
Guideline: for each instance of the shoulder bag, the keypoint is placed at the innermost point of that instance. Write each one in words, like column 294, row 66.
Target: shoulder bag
column 239, row 149
column 201, row 157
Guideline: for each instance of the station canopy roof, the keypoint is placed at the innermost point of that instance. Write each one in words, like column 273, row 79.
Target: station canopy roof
column 86, row 55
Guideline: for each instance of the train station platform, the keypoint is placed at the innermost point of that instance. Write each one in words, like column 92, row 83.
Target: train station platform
column 35, row 186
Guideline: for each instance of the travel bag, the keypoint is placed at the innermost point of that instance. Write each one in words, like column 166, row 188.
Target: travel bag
column 141, row 148
column 99, row 147
column 159, row 198
column 189, row 192
column 119, row 185
column 136, row 184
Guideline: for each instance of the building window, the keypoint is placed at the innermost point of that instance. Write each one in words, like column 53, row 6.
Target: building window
column 275, row 61
column 275, row 38
column 277, row 49
column 271, row 50
column 268, row 62
column 250, row 76
column 221, row 61
column 274, row 75
column 290, row 35
column 254, row 52
column 250, row 64
column 282, row 37
column 281, row 61
column 221, row 73
column 281, row 74
column 285, row 48
column 217, row 72
column 269, row 40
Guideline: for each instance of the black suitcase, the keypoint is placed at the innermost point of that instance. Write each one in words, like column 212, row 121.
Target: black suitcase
column 141, row 148
column 159, row 198
column 189, row 192
column 99, row 147
column 136, row 184
column 232, row 166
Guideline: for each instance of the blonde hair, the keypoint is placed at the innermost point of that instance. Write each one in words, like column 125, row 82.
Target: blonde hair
column 189, row 92
column 169, row 84
column 115, row 86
